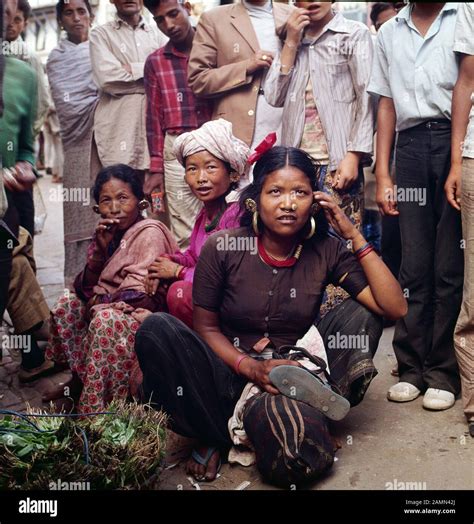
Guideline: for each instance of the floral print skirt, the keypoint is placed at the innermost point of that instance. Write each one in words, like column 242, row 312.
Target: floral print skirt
column 101, row 351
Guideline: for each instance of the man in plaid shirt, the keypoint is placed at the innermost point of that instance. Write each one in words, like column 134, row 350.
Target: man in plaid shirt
column 172, row 109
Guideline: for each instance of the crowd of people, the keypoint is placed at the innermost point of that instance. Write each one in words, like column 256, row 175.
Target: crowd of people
column 268, row 180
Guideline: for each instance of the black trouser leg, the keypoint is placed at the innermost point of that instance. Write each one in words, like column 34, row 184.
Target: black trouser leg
column 351, row 335
column 32, row 356
column 185, row 378
column 441, row 369
column 391, row 244
column 25, row 208
column 431, row 272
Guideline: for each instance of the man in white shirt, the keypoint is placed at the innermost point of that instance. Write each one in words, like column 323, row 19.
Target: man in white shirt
column 414, row 72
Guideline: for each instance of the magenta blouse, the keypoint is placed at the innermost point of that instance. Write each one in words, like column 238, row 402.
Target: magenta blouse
column 229, row 220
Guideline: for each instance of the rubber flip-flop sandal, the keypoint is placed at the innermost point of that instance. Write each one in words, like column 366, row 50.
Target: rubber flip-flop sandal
column 204, row 461
column 299, row 384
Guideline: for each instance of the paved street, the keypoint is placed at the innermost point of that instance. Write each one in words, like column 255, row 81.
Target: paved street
column 383, row 444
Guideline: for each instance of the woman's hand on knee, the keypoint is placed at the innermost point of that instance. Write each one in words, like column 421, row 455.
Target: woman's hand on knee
column 258, row 371
column 165, row 268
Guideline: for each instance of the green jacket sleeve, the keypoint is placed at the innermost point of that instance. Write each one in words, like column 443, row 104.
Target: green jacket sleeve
column 26, row 142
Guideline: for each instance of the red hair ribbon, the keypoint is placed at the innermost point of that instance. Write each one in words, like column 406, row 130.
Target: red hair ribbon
column 266, row 144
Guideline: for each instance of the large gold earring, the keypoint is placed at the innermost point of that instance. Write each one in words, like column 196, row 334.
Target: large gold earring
column 251, row 206
column 313, row 229
column 255, row 224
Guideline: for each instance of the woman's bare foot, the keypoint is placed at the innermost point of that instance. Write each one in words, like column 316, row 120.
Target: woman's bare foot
column 71, row 388
column 210, row 467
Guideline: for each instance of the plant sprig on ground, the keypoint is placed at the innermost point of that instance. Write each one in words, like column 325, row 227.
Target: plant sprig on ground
column 124, row 449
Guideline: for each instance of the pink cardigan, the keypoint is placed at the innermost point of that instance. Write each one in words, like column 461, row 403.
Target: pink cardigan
column 230, row 219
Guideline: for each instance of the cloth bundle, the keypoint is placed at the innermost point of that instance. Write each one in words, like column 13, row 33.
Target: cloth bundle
column 242, row 452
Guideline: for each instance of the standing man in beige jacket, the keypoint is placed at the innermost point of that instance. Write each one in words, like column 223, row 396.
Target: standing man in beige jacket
column 233, row 48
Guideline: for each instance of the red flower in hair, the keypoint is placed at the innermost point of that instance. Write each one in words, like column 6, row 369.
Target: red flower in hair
column 267, row 143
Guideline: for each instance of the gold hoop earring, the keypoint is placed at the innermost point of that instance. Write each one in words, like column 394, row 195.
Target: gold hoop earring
column 255, row 223
column 313, row 229
column 251, row 205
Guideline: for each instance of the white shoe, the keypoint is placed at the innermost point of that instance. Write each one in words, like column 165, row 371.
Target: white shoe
column 438, row 399
column 403, row 392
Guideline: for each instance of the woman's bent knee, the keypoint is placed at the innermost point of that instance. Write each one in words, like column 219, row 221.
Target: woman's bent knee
column 151, row 334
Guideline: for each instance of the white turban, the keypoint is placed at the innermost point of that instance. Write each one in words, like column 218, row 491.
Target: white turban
column 216, row 137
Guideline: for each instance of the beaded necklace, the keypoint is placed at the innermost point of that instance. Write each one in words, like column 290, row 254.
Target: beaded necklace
column 269, row 260
column 213, row 224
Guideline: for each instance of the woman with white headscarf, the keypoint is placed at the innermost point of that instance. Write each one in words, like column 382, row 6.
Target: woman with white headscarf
column 214, row 159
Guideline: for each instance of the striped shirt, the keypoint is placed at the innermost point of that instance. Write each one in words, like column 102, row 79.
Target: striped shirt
column 338, row 63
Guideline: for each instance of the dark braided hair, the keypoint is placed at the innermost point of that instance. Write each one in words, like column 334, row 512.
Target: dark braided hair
column 276, row 158
column 120, row 172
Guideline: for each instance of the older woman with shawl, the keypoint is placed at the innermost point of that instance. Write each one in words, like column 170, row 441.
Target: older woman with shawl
column 75, row 97
column 214, row 159
column 93, row 330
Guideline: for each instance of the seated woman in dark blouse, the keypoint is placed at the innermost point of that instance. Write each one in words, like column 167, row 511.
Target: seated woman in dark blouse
column 256, row 289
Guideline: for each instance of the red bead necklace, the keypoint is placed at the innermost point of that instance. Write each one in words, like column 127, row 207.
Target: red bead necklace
column 268, row 259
